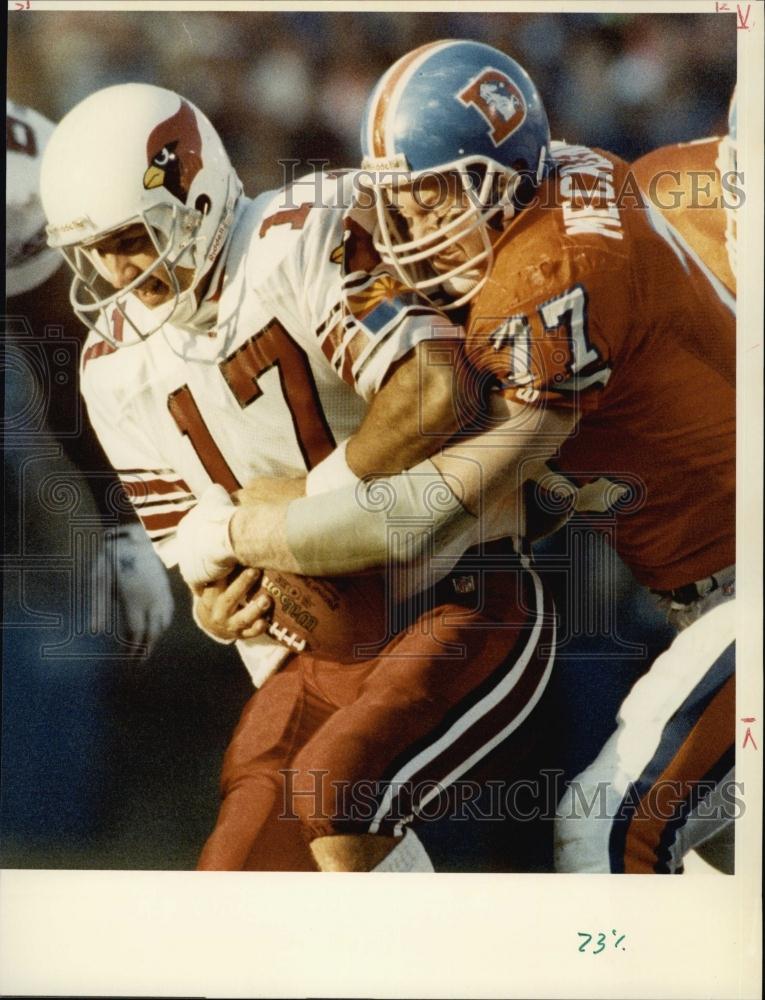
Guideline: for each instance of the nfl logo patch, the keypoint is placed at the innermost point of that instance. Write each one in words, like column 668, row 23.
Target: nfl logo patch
column 464, row 584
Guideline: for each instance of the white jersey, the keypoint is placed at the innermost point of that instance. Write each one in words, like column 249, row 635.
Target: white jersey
column 307, row 327
column 29, row 261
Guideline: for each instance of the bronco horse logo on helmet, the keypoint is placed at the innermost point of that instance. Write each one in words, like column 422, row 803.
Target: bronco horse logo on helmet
column 494, row 95
column 173, row 152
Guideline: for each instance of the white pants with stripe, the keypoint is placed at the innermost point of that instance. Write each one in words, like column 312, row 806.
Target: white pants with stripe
column 662, row 784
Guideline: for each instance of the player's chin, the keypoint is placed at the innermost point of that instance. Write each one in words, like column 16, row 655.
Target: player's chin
column 154, row 293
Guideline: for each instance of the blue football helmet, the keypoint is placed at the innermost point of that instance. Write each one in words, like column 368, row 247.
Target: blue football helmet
column 452, row 107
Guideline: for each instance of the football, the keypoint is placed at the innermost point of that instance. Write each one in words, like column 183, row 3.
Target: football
column 334, row 618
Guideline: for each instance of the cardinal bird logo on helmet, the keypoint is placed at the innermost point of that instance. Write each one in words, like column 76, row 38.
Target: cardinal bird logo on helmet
column 173, row 152
column 494, row 95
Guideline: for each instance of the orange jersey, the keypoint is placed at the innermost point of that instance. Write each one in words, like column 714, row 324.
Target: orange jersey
column 594, row 303
column 684, row 182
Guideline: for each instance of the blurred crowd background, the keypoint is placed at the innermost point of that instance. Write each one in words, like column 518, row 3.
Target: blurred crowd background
column 293, row 84
column 126, row 767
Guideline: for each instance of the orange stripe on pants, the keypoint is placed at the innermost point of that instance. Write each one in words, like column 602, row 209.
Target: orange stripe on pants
column 704, row 745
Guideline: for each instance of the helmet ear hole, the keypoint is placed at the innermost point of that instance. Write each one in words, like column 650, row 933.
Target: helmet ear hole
column 474, row 175
column 524, row 191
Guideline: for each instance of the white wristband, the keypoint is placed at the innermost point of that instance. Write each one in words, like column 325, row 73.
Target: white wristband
column 352, row 533
column 331, row 474
column 205, row 552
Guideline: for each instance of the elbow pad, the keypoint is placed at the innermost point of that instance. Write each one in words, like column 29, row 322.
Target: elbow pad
column 372, row 523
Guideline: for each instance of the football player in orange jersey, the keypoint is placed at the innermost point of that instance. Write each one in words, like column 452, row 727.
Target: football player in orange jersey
column 696, row 185
column 584, row 315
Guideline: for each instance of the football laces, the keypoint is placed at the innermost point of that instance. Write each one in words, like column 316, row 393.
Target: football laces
column 289, row 639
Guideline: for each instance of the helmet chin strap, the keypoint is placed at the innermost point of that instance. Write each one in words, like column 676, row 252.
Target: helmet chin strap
column 199, row 315
column 460, row 284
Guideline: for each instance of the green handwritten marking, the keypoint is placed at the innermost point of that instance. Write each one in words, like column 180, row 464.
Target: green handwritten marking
column 600, row 942
column 584, row 944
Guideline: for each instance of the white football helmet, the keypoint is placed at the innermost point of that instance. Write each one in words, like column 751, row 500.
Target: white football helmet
column 137, row 154
column 28, row 259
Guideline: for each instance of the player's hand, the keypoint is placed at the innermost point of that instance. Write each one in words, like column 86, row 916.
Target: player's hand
column 227, row 609
column 129, row 568
column 206, row 552
column 265, row 489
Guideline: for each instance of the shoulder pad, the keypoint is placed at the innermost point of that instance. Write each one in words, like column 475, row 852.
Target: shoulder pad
column 301, row 219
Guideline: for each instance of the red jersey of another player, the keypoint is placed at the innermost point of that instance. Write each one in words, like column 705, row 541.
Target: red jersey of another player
column 685, row 183
column 595, row 303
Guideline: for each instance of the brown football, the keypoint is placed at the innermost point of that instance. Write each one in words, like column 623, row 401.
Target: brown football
column 336, row 618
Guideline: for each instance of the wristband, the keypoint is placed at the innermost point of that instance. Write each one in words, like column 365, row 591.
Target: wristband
column 367, row 524
column 205, row 552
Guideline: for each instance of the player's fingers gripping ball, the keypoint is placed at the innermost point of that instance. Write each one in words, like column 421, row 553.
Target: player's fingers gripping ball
column 331, row 618
column 327, row 617
column 231, row 608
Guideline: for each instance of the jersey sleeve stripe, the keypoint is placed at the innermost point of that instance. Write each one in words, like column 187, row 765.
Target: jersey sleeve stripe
column 139, row 489
column 140, row 473
column 332, row 344
column 99, row 350
column 322, row 328
column 165, row 503
column 153, row 522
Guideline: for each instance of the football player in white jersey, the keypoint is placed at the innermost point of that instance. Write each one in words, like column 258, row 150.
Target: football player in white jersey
column 233, row 339
column 36, row 288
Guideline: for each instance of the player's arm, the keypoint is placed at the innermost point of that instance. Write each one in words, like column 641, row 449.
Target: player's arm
column 391, row 346
column 551, row 362
column 348, row 530
column 416, row 412
column 161, row 499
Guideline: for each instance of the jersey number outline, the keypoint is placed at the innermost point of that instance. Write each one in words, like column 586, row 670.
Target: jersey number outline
column 569, row 310
column 270, row 347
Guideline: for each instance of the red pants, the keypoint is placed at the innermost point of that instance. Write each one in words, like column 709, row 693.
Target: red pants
column 324, row 748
